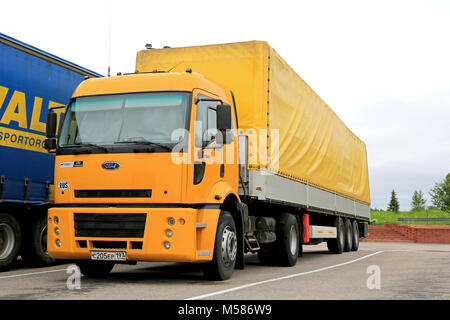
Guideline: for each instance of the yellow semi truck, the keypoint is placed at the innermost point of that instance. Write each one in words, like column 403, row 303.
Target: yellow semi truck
column 202, row 155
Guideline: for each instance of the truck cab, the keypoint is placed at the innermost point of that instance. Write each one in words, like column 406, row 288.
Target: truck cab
column 144, row 164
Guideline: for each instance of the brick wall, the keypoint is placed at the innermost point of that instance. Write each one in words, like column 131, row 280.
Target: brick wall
column 416, row 233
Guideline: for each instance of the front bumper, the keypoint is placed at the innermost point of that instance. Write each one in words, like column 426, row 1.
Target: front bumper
column 190, row 242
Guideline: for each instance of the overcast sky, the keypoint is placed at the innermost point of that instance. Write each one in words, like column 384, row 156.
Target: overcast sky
column 383, row 66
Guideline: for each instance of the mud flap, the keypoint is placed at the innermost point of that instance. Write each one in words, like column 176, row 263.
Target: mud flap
column 241, row 221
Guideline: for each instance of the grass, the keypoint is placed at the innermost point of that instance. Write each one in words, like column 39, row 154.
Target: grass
column 382, row 217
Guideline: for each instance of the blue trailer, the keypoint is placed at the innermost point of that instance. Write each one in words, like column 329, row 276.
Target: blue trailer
column 31, row 82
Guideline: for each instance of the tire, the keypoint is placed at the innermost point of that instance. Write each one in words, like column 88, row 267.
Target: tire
column 286, row 249
column 225, row 250
column 336, row 246
column 35, row 249
column 95, row 269
column 288, row 239
column 355, row 228
column 348, row 235
column 10, row 240
column 300, row 233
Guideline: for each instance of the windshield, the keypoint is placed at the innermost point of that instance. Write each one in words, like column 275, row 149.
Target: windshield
column 137, row 117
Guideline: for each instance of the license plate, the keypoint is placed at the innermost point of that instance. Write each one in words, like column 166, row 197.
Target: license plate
column 109, row 255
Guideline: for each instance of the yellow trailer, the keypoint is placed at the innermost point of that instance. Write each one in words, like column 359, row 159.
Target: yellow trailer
column 202, row 155
column 311, row 144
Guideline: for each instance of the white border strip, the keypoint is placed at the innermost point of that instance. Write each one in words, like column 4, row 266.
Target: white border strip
column 281, row 278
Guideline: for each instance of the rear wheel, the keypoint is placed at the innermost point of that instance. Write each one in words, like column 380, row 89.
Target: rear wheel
column 288, row 238
column 225, row 250
column 337, row 244
column 286, row 249
column 95, row 269
column 35, row 250
column 355, row 243
column 348, row 235
column 10, row 239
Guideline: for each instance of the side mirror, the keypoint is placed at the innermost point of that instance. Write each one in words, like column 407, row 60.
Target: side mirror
column 223, row 117
column 50, row 129
column 50, row 144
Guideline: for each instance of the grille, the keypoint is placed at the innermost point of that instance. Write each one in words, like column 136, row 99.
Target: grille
column 121, row 225
column 116, row 193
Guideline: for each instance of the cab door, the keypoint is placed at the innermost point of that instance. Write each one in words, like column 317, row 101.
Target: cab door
column 209, row 151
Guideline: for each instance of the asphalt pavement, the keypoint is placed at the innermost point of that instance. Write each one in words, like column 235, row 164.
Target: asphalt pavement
column 376, row 271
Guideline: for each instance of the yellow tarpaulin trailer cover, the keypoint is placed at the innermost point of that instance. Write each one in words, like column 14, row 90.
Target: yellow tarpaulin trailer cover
column 304, row 139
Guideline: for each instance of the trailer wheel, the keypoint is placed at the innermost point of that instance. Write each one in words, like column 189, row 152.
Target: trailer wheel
column 348, row 235
column 336, row 245
column 225, row 250
column 10, row 239
column 35, row 251
column 355, row 229
column 95, row 269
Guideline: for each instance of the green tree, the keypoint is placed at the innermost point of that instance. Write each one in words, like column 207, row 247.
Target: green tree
column 440, row 194
column 393, row 206
column 418, row 201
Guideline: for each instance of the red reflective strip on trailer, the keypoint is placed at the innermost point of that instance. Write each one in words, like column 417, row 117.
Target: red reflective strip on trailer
column 305, row 223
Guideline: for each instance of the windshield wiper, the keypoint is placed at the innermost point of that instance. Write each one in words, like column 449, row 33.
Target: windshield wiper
column 88, row 145
column 144, row 142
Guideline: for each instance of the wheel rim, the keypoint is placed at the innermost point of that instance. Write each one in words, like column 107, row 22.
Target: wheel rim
column 229, row 246
column 7, row 240
column 293, row 239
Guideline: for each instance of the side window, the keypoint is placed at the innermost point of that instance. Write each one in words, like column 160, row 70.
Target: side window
column 206, row 122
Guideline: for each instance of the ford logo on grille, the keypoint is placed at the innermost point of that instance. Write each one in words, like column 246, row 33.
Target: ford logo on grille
column 111, row 165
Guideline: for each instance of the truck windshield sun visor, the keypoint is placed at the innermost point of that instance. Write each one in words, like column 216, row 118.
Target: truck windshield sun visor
column 121, row 119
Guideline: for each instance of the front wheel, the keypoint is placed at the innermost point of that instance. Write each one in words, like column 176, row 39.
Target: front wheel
column 225, row 250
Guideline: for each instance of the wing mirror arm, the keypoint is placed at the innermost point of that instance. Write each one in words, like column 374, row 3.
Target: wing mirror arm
column 50, row 129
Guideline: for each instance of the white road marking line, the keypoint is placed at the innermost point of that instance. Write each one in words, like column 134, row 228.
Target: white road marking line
column 31, row 273
column 281, row 278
